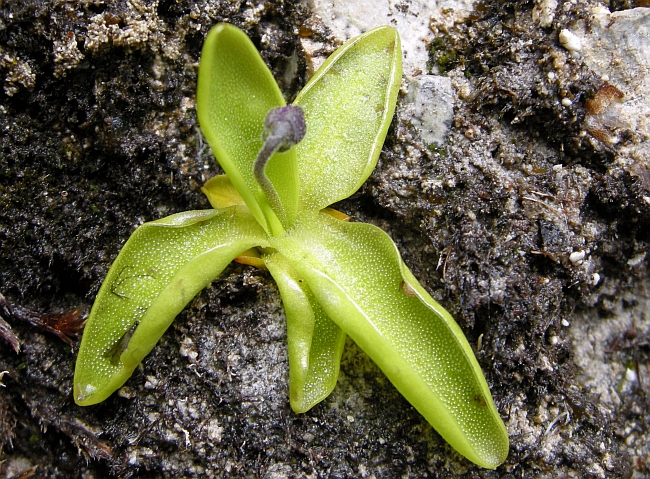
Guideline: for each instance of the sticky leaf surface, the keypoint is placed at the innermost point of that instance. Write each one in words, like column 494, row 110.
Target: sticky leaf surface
column 162, row 266
column 359, row 279
column 349, row 104
column 315, row 342
column 235, row 91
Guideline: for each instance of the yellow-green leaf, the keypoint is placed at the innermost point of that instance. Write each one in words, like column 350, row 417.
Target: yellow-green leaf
column 359, row 279
column 235, row 91
column 162, row 266
column 315, row 342
column 349, row 104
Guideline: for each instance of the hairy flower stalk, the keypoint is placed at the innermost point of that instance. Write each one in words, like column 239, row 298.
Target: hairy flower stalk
column 283, row 128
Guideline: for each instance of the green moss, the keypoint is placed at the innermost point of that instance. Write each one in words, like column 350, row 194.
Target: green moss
column 442, row 55
column 440, row 150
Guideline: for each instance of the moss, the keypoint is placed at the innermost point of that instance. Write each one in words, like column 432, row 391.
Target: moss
column 442, row 55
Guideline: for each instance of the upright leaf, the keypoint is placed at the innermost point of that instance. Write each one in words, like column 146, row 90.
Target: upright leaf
column 235, row 91
column 349, row 104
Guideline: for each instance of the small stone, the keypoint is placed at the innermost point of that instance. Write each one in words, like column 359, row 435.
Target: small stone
column 595, row 279
column 432, row 100
column 570, row 41
column 577, row 256
column 636, row 260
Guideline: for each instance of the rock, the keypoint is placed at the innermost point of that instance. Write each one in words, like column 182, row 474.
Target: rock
column 432, row 107
column 615, row 48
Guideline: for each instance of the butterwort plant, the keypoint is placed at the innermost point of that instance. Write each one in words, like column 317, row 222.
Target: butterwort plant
column 284, row 166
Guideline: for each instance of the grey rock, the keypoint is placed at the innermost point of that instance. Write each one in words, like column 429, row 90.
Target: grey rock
column 431, row 98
